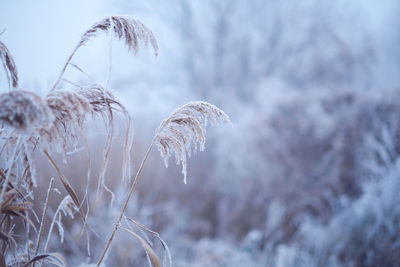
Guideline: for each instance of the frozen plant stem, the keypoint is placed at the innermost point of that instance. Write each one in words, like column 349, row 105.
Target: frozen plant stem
column 46, row 205
column 66, row 185
column 11, row 165
column 64, row 69
column 117, row 224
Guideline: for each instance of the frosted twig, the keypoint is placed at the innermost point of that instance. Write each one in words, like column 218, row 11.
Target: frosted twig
column 42, row 222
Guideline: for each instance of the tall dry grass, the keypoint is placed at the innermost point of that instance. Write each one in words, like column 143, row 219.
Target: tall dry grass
column 54, row 125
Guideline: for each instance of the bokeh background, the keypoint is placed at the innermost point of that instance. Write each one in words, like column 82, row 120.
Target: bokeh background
column 308, row 175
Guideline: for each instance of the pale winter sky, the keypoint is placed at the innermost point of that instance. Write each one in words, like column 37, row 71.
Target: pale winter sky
column 41, row 34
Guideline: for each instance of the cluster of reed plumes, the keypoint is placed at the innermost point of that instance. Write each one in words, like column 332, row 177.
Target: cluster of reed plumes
column 55, row 124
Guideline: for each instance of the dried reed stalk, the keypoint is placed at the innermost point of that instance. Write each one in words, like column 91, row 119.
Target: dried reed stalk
column 57, row 121
column 167, row 261
column 123, row 27
column 184, row 128
column 42, row 221
column 66, row 207
column 154, row 261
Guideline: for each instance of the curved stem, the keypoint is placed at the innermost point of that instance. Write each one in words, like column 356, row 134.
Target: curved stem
column 53, row 221
column 64, row 69
column 117, row 224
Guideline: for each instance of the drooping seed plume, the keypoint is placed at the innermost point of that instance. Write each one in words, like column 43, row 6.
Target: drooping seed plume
column 179, row 134
column 69, row 110
column 104, row 104
column 71, row 107
column 24, row 112
column 124, row 28
column 9, row 65
column 58, row 121
column 185, row 130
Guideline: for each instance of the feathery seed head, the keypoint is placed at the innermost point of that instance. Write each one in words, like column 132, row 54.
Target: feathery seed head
column 25, row 112
column 101, row 101
column 68, row 106
column 123, row 27
column 69, row 110
column 185, row 129
column 9, row 65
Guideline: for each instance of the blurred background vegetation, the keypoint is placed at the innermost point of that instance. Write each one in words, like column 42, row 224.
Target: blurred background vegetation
column 308, row 175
